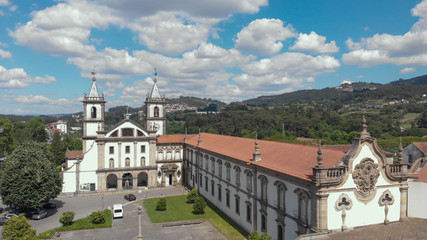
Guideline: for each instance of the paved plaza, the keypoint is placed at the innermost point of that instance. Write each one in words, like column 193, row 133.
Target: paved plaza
column 126, row 227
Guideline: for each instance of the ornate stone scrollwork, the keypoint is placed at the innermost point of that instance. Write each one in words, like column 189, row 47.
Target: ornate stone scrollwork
column 342, row 204
column 386, row 200
column 365, row 176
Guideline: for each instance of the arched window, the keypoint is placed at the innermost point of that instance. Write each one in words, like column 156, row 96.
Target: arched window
column 127, row 162
column 248, row 180
column 264, row 183
column 93, row 112
column 169, row 155
column 142, row 161
column 237, row 169
column 303, row 198
column 160, row 156
column 281, row 189
column 111, row 163
column 156, row 111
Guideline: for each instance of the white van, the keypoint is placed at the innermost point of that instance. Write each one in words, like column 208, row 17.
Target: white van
column 117, row 211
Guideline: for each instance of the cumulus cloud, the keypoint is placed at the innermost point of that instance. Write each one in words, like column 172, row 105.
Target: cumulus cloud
column 18, row 78
column 198, row 8
column 4, row 2
column 64, row 29
column 287, row 69
column 5, row 54
column 264, row 36
column 169, row 33
column 407, row 49
column 314, row 43
column 32, row 99
column 407, row 70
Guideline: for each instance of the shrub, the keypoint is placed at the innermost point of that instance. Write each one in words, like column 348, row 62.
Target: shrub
column 18, row 228
column 199, row 205
column 192, row 195
column 256, row 236
column 161, row 205
column 67, row 218
column 97, row 217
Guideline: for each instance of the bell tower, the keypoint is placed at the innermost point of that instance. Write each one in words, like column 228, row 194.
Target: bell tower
column 155, row 109
column 93, row 114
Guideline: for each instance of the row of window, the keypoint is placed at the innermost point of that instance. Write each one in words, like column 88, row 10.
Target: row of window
column 302, row 195
column 127, row 162
column 127, row 149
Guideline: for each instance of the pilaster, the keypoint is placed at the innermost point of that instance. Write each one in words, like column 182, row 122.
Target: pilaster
column 403, row 203
column 119, row 154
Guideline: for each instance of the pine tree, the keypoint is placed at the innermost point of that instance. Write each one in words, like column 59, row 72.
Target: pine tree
column 58, row 149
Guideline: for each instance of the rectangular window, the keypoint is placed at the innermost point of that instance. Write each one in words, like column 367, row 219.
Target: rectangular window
column 248, row 213
column 206, row 184
column 237, row 205
column 212, row 188
column 127, row 150
column 201, row 180
column 142, row 149
column 227, row 198
column 219, row 193
column 111, row 150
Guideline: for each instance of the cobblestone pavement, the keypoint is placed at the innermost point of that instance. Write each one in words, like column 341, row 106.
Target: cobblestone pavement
column 413, row 229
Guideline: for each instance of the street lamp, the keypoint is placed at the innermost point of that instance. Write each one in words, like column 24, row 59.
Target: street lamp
column 139, row 237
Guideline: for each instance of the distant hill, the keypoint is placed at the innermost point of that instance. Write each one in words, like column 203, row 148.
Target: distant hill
column 408, row 89
column 195, row 101
column 421, row 80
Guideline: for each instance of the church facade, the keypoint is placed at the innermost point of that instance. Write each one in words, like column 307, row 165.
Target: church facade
column 284, row 189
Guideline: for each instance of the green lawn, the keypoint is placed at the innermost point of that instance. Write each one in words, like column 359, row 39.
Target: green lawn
column 408, row 118
column 83, row 223
column 179, row 210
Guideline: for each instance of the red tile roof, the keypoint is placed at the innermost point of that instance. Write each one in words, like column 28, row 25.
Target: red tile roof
column 292, row 159
column 172, row 138
column 75, row 154
column 422, row 146
column 422, row 174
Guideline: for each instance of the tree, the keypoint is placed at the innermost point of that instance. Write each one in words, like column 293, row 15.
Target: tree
column 7, row 137
column 36, row 129
column 161, row 205
column 29, row 177
column 199, row 205
column 192, row 195
column 58, row 149
column 72, row 143
column 67, row 218
column 18, row 228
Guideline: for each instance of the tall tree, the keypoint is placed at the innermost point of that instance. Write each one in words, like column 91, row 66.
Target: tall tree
column 29, row 176
column 37, row 130
column 7, row 137
column 58, row 149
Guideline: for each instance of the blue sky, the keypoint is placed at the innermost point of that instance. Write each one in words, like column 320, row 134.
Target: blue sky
column 230, row 50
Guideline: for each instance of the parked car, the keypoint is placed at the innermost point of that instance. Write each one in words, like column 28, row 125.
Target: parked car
column 117, row 211
column 1, row 209
column 9, row 215
column 39, row 215
column 49, row 205
column 130, row 197
column 3, row 220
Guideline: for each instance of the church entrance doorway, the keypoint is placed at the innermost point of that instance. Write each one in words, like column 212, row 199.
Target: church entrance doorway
column 142, row 179
column 170, row 179
column 127, row 181
column 111, row 181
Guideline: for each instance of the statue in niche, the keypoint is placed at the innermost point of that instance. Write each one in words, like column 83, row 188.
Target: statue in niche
column 386, row 200
column 365, row 176
column 342, row 204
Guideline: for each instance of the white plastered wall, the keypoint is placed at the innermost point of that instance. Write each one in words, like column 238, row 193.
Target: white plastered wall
column 361, row 213
column 417, row 195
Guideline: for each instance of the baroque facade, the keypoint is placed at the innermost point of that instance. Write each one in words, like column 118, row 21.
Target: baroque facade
column 280, row 188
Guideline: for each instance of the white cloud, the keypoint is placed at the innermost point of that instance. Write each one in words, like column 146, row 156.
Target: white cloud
column 63, row 30
column 5, row 54
column 169, row 33
column 4, row 2
column 197, row 8
column 407, row 49
column 264, row 36
column 18, row 78
column 32, row 99
column 314, row 43
column 407, row 70
column 287, row 69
